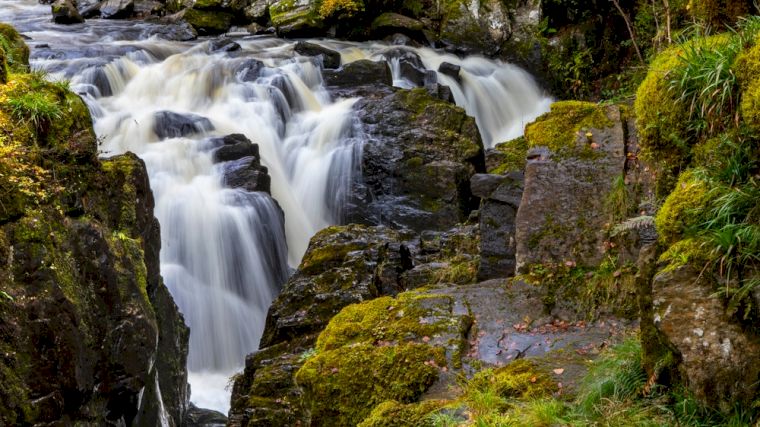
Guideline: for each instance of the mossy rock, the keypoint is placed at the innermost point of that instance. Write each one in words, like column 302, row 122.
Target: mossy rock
column 719, row 13
column 342, row 386
column 208, row 22
column 380, row 350
column 689, row 251
column 394, row 414
column 508, row 156
column 291, row 17
column 16, row 50
column 520, row 380
column 684, row 207
column 565, row 130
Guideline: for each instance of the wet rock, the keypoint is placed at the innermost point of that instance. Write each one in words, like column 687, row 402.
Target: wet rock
column 417, row 162
column 222, row 45
column 233, row 147
column 450, row 70
column 249, row 70
column 359, row 73
column 500, row 196
column 330, row 58
column 168, row 124
column 116, row 9
column 65, row 12
column 241, row 166
column 411, row 67
column 717, row 357
column 200, row 417
column 569, row 174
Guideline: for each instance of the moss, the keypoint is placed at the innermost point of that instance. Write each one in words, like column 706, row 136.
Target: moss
column 459, row 270
column 343, row 385
column 566, row 129
column 521, row 379
column 513, row 156
column 718, row 13
column 208, row 22
column 386, row 319
column 288, row 12
column 684, row 207
column 747, row 69
column 694, row 251
column 394, row 414
column 16, row 50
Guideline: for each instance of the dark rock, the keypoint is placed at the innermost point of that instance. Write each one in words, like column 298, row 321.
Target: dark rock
column 200, row 417
column 501, row 199
column 330, row 58
column 116, row 9
column 390, row 23
column 410, row 66
column 450, row 70
column 249, row 70
column 222, row 45
column 359, row 73
column 296, row 19
column 65, row 12
column 168, row 124
column 204, row 22
column 417, row 162
column 233, row 147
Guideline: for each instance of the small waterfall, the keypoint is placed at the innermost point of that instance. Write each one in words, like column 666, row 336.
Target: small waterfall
column 226, row 251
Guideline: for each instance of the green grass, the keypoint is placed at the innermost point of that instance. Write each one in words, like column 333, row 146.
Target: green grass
column 35, row 108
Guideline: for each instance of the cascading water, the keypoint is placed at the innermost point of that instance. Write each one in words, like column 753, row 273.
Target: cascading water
column 224, row 252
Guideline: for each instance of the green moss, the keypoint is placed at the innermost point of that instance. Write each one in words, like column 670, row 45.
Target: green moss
column 459, row 270
column 718, row 13
column 394, row 414
column 16, row 50
column 684, row 207
column 521, row 379
column 386, row 319
column 343, row 385
column 694, row 251
column 288, row 12
column 512, row 156
column 567, row 128
column 747, row 69
column 208, row 22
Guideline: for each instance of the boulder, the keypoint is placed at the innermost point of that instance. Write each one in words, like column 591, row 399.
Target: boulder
column 417, row 162
column 296, row 18
column 576, row 152
column 500, row 199
column 330, row 58
column 168, row 124
column 199, row 417
column 204, row 22
column 65, row 12
column 389, row 23
column 716, row 356
column 116, row 9
column 359, row 73
column 450, row 70
column 222, row 45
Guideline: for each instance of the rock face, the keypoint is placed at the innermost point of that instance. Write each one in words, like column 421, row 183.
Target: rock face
column 500, row 196
column 88, row 330
column 417, row 162
column 718, row 359
column 577, row 151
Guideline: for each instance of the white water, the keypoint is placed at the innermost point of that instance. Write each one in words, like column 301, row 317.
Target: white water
column 224, row 253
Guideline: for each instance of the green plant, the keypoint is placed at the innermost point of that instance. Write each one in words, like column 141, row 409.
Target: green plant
column 306, row 355
column 35, row 108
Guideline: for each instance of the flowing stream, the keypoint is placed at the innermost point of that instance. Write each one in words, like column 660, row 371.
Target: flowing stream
column 226, row 251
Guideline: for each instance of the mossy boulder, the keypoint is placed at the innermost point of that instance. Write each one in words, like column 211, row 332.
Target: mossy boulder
column 392, row 413
column 16, row 50
column 379, row 350
column 205, row 22
column 296, row 18
column 577, row 152
column 417, row 163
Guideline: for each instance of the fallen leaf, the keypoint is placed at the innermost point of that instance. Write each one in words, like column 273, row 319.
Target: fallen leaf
column 594, row 145
column 533, row 379
column 426, row 339
column 559, row 371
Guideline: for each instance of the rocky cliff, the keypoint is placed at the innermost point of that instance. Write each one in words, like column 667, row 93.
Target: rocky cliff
column 89, row 332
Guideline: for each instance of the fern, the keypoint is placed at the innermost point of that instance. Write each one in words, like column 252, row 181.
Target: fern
column 637, row 223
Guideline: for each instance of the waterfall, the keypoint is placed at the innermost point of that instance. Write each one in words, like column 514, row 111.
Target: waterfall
column 226, row 251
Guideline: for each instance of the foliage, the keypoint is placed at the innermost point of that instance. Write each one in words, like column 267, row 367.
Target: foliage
column 346, row 8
